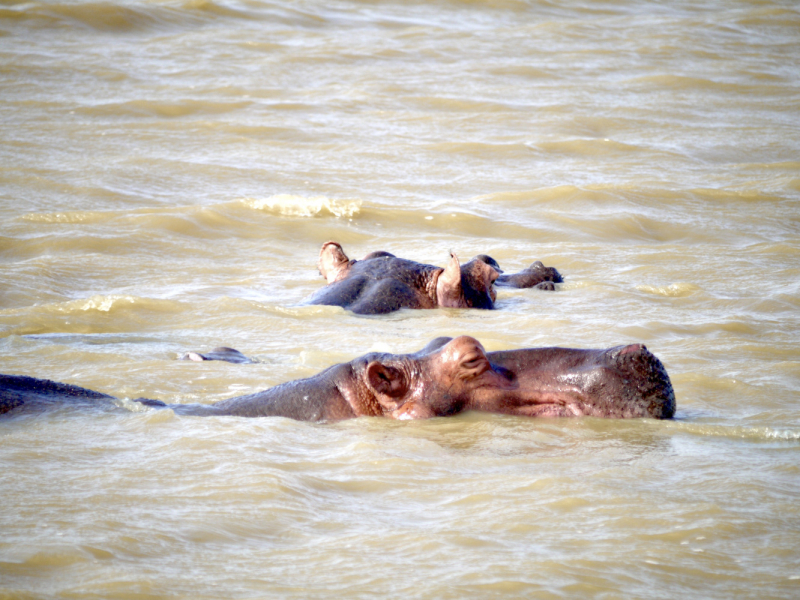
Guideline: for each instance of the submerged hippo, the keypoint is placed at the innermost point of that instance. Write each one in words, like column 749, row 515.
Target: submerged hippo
column 446, row 377
column 381, row 283
column 223, row 353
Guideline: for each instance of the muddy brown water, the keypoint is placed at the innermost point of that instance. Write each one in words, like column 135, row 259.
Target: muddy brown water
column 168, row 171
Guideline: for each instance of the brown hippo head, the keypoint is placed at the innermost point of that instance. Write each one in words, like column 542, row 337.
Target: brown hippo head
column 452, row 375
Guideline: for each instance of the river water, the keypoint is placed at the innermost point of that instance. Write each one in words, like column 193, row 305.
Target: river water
column 168, row 172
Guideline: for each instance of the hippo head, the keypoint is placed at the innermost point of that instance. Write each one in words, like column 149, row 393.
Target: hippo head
column 452, row 375
column 489, row 261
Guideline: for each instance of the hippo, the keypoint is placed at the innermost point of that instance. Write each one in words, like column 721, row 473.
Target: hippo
column 448, row 376
column 535, row 276
column 381, row 282
column 223, row 353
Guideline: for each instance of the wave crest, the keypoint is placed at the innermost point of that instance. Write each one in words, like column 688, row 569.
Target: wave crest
column 750, row 433
column 289, row 205
column 109, row 303
column 68, row 217
column 673, row 290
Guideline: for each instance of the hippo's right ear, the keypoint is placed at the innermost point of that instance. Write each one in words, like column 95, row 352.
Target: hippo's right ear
column 386, row 382
column 449, row 292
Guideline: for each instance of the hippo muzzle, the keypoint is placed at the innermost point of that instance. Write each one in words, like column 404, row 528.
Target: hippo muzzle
column 620, row 382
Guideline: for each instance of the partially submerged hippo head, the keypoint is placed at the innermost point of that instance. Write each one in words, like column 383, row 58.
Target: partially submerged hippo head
column 381, row 282
column 535, row 276
column 452, row 375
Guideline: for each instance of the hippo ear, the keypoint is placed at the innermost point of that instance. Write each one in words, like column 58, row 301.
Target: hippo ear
column 448, row 288
column 333, row 262
column 386, row 381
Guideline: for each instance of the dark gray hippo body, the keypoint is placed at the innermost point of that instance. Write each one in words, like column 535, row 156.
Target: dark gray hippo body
column 381, row 283
column 446, row 377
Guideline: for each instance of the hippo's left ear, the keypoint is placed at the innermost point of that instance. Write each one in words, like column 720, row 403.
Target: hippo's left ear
column 386, row 382
column 333, row 263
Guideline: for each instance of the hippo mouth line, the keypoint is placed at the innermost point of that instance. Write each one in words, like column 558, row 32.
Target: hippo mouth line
column 554, row 410
column 545, row 403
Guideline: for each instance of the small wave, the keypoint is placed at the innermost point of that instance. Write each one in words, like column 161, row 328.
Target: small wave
column 627, row 227
column 113, row 17
column 683, row 82
column 288, row 205
column 769, row 16
column 215, row 8
column 465, row 105
column 764, row 434
column 790, row 165
column 302, row 311
column 98, row 314
column 113, row 303
column 523, row 72
column 69, row 217
column 58, row 557
column 482, row 149
column 726, row 195
column 169, row 110
column 95, row 303
column 101, row 16
column 780, row 434
column 590, row 147
column 674, row 290
column 106, row 304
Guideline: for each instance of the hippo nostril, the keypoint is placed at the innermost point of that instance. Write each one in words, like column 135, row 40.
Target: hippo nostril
column 620, row 354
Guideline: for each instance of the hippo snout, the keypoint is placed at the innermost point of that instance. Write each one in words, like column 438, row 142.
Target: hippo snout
column 647, row 387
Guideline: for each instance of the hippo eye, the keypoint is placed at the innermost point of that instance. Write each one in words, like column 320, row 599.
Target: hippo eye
column 473, row 361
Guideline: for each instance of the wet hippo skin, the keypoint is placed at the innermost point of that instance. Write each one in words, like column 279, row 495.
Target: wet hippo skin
column 223, row 353
column 382, row 283
column 446, row 377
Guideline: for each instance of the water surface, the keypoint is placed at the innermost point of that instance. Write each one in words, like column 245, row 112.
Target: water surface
column 168, row 172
